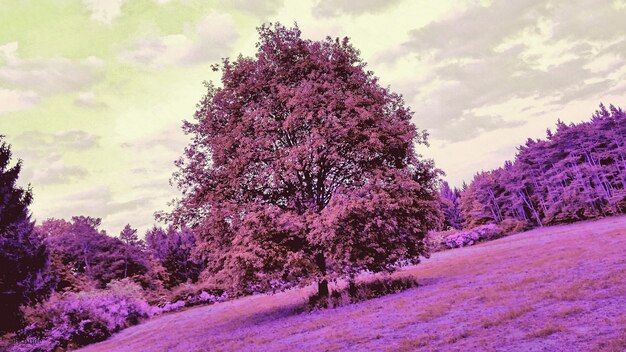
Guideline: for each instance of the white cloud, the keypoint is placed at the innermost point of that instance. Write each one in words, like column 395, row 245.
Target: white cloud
column 108, row 205
column 332, row 8
column 208, row 40
column 56, row 172
column 8, row 52
column 104, row 11
column 88, row 100
column 260, row 8
column 503, row 51
column 16, row 100
column 97, row 201
column 44, row 155
column 465, row 34
column 46, row 76
column 70, row 140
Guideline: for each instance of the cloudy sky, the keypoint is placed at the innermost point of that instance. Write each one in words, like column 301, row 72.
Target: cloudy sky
column 93, row 92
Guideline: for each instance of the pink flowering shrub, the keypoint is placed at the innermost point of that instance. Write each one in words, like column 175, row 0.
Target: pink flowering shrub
column 76, row 319
column 436, row 240
column 169, row 307
column 472, row 236
column 197, row 294
column 189, row 295
column 207, row 298
column 190, row 301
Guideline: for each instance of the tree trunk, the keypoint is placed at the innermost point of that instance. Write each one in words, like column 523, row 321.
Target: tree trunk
column 322, row 288
column 526, row 199
column 126, row 262
column 496, row 206
column 352, row 289
column 322, row 285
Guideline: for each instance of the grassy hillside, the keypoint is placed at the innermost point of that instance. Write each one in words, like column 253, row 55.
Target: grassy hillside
column 553, row 289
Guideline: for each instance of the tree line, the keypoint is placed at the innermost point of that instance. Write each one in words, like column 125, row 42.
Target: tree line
column 73, row 256
column 577, row 172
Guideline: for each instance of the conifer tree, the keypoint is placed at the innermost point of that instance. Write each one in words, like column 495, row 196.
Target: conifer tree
column 24, row 275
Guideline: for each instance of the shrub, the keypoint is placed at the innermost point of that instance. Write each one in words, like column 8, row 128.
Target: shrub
column 191, row 293
column 169, row 307
column 469, row 237
column 439, row 240
column 435, row 240
column 76, row 319
column 510, row 226
column 361, row 291
column 206, row 298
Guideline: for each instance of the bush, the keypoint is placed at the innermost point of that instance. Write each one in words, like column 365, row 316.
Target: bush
column 190, row 301
column 510, row 226
column 170, row 307
column 436, row 240
column 189, row 295
column 194, row 294
column 71, row 320
column 205, row 298
column 361, row 291
column 477, row 234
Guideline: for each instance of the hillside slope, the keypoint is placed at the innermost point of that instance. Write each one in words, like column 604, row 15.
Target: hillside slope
column 553, row 289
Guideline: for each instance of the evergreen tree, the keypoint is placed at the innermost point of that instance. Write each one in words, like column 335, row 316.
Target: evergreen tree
column 129, row 236
column 451, row 207
column 23, row 255
column 174, row 251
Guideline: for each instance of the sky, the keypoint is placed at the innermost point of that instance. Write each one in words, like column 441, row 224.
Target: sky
column 93, row 93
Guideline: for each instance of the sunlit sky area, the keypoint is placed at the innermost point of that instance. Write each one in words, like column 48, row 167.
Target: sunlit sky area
column 93, row 93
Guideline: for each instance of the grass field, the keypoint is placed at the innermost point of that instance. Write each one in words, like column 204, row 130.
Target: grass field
column 552, row 289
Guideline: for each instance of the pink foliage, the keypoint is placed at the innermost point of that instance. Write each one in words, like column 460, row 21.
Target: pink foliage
column 76, row 319
column 302, row 167
column 472, row 236
column 578, row 172
column 169, row 307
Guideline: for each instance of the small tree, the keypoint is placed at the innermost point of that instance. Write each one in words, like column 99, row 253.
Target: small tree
column 23, row 255
column 302, row 167
column 173, row 249
column 451, row 207
column 129, row 236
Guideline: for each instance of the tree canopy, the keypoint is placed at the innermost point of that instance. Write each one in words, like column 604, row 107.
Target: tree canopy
column 303, row 167
column 173, row 249
column 84, row 256
column 578, row 172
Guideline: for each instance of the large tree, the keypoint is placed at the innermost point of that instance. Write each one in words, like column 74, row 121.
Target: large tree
column 302, row 167
column 23, row 255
